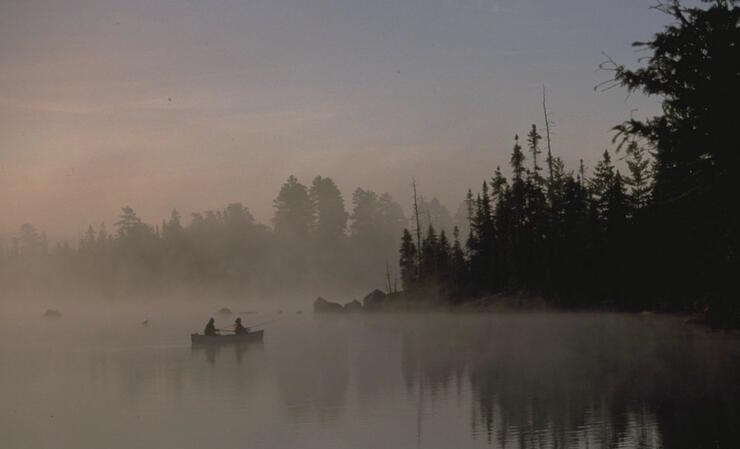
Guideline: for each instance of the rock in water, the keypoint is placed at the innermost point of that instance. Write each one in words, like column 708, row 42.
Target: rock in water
column 321, row 305
column 374, row 300
column 51, row 313
column 353, row 306
column 225, row 311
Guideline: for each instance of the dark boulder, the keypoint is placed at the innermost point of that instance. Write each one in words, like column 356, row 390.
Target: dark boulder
column 374, row 300
column 353, row 306
column 321, row 305
column 51, row 313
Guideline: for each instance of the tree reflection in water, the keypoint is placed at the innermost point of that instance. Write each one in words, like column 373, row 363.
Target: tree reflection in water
column 609, row 382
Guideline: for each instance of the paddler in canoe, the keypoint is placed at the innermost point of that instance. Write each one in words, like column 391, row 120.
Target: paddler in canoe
column 241, row 334
column 210, row 329
column 239, row 329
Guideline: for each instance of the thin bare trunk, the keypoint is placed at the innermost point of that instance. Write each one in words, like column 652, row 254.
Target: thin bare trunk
column 418, row 226
column 549, row 148
column 388, row 276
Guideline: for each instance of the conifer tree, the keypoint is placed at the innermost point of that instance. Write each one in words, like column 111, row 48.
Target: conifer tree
column 498, row 184
column 429, row 248
column 294, row 212
column 128, row 224
column 408, row 262
column 517, row 161
column 639, row 179
column 691, row 67
column 328, row 205
column 444, row 261
column 602, row 181
column 483, row 247
column 87, row 242
column 617, row 206
column 533, row 142
column 457, row 260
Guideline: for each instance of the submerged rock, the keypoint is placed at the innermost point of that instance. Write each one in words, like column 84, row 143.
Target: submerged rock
column 225, row 311
column 52, row 313
column 321, row 305
column 374, row 300
column 353, row 306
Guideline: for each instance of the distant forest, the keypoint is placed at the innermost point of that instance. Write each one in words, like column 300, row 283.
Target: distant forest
column 661, row 233
column 314, row 246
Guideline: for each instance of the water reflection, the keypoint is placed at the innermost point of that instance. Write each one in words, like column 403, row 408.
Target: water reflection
column 237, row 351
column 573, row 382
column 312, row 375
column 433, row 381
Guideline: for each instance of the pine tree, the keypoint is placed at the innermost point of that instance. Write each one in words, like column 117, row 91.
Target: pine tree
column 600, row 184
column 498, row 184
column 429, row 248
column 444, row 262
column 330, row 218
column 482, row 250
column 639, row 179
column 128, row 224
column 617, row 206
column 87, row 242
column 103, row 236
column 691, row 67
column 558, row 181
column 457, row 260
column 470, row 241
column 408, row 262
column 517, row 161
column 294, row 212
column 533, row 142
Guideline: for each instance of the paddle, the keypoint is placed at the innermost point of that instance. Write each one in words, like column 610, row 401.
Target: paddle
column 263, row 323
column 251, row 327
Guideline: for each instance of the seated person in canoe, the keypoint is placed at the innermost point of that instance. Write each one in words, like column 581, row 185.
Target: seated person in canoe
column 239, row 329
column 210, row 329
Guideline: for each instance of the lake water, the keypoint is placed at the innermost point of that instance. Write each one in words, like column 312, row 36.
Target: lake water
column 369, row 381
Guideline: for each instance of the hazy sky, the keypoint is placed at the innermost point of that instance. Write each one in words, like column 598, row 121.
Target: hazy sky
column 196, row 104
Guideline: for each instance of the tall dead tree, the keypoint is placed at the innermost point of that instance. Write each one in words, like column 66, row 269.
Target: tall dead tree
column 388, row 276
column 549, row 148
column 418, row 226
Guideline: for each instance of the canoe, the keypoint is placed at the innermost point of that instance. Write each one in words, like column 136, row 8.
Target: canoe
column 251, row 337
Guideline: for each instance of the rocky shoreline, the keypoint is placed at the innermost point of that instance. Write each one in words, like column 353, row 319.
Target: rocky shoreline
column 379, row 301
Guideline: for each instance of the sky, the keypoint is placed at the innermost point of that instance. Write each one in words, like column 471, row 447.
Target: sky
column 196, row 104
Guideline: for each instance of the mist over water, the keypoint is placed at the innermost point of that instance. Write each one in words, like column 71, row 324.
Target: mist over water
column 517, row 229
column 97, row 378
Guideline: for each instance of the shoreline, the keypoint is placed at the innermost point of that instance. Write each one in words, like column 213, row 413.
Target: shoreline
column 380, row 302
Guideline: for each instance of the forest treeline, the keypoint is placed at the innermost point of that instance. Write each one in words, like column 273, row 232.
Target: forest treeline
column 653, row 225
column 545, row 230
column 663, row 234
column 315, row 244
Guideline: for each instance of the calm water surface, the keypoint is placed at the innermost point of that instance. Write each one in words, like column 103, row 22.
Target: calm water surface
column 427, row 381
